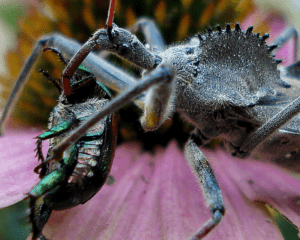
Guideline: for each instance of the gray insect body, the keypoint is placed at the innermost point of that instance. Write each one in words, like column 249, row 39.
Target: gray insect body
column 228, row 85
column 225, row 83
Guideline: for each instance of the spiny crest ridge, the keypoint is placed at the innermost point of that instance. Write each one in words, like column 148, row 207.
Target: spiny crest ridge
column 212, row 36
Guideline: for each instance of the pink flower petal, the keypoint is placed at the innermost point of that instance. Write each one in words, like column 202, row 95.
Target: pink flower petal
column 158, row 197
column 17, row 163
column 265, row 182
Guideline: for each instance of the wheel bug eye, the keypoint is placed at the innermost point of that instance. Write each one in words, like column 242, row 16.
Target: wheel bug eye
column 123, row 49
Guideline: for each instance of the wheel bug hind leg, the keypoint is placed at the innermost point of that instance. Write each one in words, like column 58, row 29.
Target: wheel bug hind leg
column 209, row 184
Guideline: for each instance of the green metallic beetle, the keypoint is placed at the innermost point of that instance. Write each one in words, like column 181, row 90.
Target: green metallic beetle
column 83, row 170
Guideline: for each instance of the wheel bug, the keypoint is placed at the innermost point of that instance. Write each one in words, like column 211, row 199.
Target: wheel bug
column 213, row 73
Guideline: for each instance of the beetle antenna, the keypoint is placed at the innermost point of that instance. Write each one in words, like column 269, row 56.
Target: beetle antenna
column 110, row 18
column 51, row 79
column 58, row 53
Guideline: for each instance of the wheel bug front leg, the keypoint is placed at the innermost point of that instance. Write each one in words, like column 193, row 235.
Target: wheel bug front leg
column 160, row 74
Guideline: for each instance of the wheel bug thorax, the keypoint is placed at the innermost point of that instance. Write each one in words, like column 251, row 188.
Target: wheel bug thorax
column 224, row 82
column 228, row 85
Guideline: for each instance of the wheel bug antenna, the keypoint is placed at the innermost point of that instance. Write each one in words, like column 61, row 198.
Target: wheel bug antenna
column 161, row 73
column 110, row 18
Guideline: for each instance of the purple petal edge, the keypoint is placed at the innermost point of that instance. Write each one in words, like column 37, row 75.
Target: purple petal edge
column 17, row 163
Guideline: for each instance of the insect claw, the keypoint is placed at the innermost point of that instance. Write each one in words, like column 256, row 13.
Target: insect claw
column 228, row 29
column 257, row 34
column 237, row 27
column 219, row 28
column 278, row 61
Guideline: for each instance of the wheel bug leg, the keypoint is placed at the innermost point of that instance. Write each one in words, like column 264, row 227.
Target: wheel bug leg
column 267, row 129
column 151, row 33
column 209, row 184
column 21, row 82
column 284, row 37
column 160, row 74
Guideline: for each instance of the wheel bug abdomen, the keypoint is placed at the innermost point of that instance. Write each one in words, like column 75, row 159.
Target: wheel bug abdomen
column 83, row 170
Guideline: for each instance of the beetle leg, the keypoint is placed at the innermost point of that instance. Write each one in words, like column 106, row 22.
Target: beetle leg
column 53, row 132
column 209, row 184
column 40, row 208
column 284, row 37
column 151, row 33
